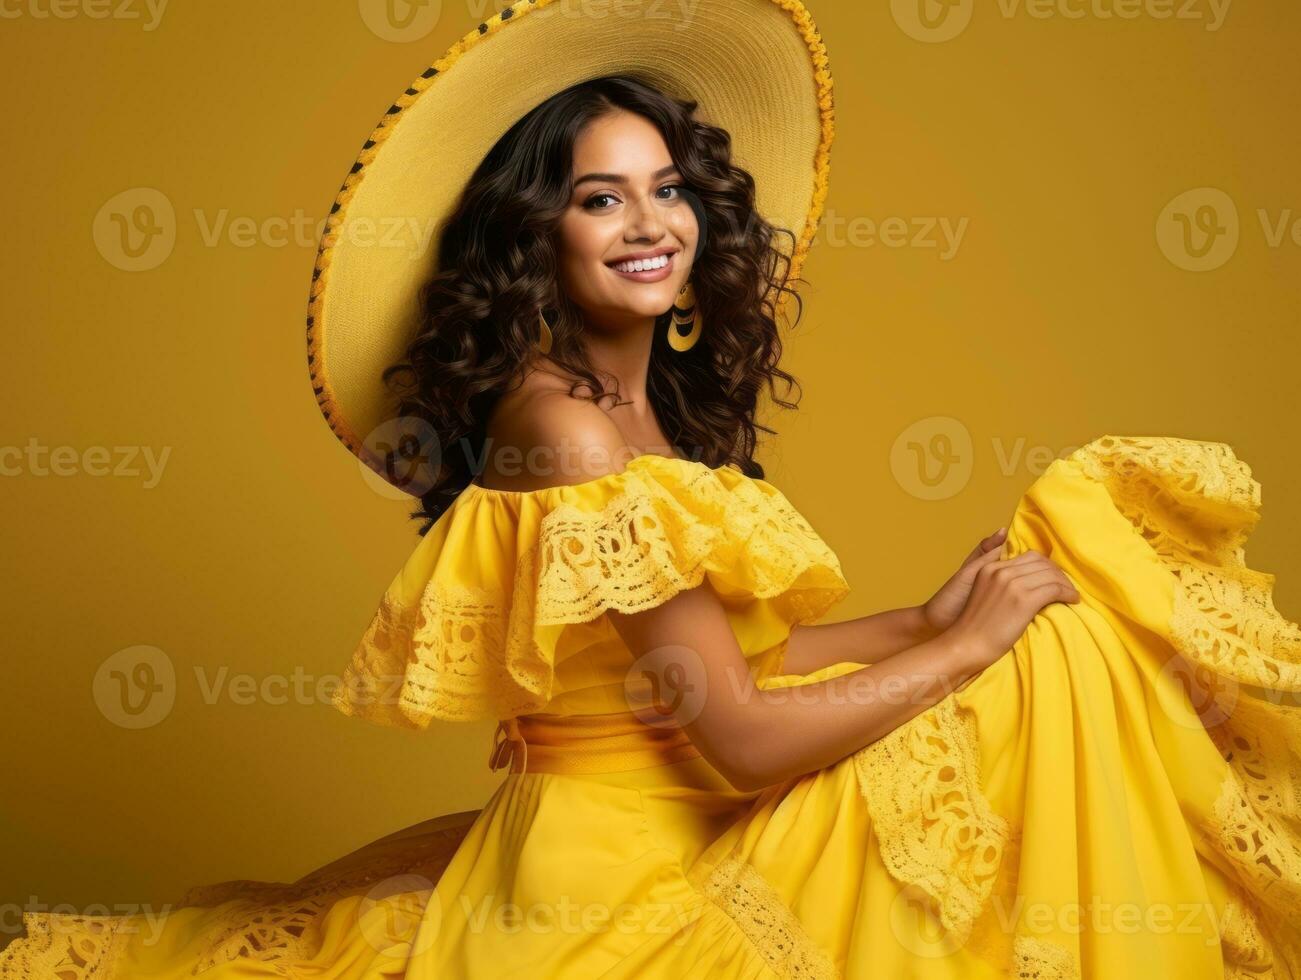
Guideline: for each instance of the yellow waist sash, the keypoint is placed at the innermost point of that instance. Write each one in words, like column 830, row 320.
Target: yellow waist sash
column 615, row 742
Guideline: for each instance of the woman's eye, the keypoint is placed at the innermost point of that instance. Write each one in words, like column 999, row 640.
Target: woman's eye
column 592, row 203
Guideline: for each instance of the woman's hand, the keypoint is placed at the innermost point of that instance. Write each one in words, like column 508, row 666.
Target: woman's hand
column 942, row 610
column 1006, row 596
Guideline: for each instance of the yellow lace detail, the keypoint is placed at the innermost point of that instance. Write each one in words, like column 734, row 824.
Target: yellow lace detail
column 464, row 653
column 1196, row 504
column 264, row 922
column 937, row 831
column 741, row 891
column 1038, row 959
column 1247, row 953
column 58, row 946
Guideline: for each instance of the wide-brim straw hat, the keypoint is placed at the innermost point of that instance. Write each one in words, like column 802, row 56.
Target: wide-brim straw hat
column 758, row 68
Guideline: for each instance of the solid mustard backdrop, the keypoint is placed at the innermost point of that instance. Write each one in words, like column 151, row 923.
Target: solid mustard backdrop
column 1048, row 222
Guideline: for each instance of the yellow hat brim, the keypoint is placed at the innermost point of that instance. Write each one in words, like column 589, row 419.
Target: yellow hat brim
column 758, row 68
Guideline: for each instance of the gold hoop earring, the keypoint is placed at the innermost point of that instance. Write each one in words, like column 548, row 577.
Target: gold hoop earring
column 685, row 314
column 544, row 340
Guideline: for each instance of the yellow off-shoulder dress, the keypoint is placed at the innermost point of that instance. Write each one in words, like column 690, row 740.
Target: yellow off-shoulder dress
column 1118, row 796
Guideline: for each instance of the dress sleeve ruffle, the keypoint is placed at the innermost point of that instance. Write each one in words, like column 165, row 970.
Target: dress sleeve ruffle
column 473, row 625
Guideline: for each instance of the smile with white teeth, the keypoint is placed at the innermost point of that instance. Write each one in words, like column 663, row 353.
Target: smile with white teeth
column 642, row 265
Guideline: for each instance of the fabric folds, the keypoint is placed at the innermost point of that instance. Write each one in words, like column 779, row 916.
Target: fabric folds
column 508, row 584
column 1118, row 795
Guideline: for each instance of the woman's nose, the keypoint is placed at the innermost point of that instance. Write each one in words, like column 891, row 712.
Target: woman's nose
column 645, row 220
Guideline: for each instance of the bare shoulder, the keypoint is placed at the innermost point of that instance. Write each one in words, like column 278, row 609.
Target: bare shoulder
column 539, row 435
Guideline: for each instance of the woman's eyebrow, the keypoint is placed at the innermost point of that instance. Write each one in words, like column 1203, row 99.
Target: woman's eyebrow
column 621, row 179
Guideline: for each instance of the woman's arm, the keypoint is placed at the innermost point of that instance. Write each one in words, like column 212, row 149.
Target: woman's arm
column 866, row 640
column 871, row 639
column 756, row 738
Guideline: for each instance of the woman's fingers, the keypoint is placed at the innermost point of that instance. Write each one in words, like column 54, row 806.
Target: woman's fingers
column 1036, row 577
column 988, row 558
column 1032, row 563
column 987, row 545
column 1060, row 591
column 1045, row 583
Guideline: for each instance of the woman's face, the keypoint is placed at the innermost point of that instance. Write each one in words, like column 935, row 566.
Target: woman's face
column 627, row 201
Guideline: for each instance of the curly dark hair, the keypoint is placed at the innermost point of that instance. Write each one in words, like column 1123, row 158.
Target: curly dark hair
column 497, row 261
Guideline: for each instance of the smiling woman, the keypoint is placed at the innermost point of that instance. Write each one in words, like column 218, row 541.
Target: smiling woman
column 577, row 246
column 1094, row 722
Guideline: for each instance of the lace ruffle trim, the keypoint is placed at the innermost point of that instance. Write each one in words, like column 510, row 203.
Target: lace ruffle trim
column 755, row 906
column 277, row 925
column 59, row 946
column 1039, row 959
column 738, row 888
column 465, row 653
column 1195, row 503
column 937, row 832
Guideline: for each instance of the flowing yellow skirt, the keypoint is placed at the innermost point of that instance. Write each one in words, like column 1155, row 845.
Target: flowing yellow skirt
column 1118, row 796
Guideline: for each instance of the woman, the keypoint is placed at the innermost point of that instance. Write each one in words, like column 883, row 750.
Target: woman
column 1081, row 765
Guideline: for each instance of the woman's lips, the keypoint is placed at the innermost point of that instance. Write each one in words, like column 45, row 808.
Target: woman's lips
column 649, row 275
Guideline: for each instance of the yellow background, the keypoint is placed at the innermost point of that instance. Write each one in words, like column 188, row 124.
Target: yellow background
column 1059, row 140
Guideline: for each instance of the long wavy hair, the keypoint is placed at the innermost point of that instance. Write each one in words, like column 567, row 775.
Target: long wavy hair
column 497, row 267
